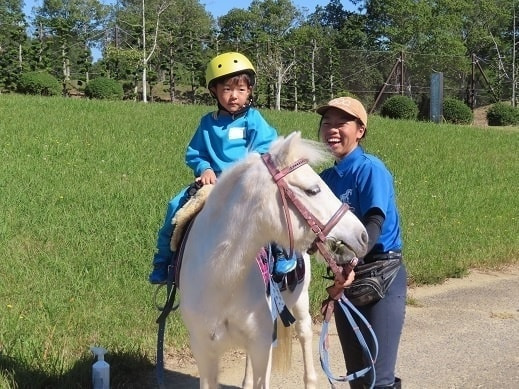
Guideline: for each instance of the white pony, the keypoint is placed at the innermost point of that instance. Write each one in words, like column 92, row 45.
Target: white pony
column 223, row 300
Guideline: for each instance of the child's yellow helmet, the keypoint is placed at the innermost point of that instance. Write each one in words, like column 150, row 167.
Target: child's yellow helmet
column 228, row 64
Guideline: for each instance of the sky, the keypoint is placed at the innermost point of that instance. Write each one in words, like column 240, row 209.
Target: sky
column 221, row 7
column 215, row 7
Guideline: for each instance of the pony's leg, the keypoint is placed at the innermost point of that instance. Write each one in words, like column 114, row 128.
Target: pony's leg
column 247, row 379
column 304, row 333
column 261, row 361
column 207, row 362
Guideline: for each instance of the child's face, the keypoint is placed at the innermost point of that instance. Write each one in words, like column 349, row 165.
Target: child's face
column 233, row 94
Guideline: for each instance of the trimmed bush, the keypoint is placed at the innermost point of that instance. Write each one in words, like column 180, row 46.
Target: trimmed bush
column 501, row 114
column 104, row 88
column 39, row 83
column 400, row 107
column 457, row 112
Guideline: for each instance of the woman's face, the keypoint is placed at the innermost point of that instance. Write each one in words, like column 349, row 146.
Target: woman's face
column 233, row 95
column 340, row 131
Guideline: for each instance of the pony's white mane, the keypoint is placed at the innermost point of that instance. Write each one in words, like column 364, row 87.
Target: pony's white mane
column 286, row 150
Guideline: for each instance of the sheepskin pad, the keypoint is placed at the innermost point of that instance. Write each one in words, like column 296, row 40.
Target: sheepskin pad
column 186, row 213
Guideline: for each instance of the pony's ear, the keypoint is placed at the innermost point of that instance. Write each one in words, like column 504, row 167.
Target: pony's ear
column 288, row 148
column 295, row 134
column 292, row 139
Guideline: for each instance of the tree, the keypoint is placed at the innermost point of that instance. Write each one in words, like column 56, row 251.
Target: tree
column 12, row 43
column 69, row 27
column 445, row 33
column 236, row 29
column 183, row 40
column 274, row 19
column 147, row 55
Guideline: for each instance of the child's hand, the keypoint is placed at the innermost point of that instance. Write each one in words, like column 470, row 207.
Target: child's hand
column 207, row 177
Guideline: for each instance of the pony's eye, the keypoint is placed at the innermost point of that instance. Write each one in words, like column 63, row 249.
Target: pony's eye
column 312, row 191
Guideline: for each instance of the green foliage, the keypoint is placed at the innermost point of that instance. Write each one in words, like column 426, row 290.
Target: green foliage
column 399, row 107
column 122, row 64
column 85, row 186
column 104, row 88
column 312, row 55
column 70, row 28
column 39, row 83
column 12, row 40
column 457, row 112
column 501, row 114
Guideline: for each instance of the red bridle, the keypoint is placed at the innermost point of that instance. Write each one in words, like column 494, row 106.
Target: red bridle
column 321, row 231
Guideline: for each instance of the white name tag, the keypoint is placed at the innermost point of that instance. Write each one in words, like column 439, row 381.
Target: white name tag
column 236, row 132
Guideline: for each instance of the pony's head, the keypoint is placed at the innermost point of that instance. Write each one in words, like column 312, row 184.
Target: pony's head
column 246, row 204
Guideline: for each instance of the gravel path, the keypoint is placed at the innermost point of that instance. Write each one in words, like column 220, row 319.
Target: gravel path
column 460, row 334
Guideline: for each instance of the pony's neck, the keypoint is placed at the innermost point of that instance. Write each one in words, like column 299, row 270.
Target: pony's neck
column 234, row 262
column 240, row 217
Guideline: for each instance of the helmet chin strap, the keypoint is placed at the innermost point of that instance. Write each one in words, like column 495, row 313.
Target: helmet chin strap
column 238, row 113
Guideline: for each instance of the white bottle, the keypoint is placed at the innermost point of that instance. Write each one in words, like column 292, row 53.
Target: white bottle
column 100, row 369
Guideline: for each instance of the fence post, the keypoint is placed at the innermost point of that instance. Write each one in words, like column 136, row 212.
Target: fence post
column 436, row 104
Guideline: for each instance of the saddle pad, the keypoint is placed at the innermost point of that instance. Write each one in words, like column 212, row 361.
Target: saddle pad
column 182, row 217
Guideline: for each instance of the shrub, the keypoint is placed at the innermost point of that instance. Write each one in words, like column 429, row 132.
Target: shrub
column 39, row 83
column 104, row 88
column 457, row 112
column 400, row 107
column 501, row 114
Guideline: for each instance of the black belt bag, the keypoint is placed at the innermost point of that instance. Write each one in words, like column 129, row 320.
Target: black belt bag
column 372, row 280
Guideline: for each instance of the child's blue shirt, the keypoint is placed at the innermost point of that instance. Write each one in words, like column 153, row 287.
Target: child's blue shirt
column 221, row 140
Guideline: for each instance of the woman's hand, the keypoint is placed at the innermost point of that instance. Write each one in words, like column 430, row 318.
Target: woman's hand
column 347, row 282
column 207, row 177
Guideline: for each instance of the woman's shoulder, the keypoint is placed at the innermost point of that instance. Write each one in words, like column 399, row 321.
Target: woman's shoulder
column 372, row 159
column 374, row 164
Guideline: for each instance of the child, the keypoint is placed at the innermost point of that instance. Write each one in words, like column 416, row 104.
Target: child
column 222, row 138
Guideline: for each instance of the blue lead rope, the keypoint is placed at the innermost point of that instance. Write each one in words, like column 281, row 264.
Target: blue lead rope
column 370, row 357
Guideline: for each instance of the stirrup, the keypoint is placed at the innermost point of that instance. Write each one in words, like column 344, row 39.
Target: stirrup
column 159, row 307
column 168, row 296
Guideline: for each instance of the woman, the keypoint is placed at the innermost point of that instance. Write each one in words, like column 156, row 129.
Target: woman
column 363, row 181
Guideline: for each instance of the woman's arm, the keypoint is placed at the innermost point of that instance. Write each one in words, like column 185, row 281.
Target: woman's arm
column 373, row 221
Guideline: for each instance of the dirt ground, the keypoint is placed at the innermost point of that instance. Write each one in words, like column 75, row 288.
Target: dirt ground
column 463, row 333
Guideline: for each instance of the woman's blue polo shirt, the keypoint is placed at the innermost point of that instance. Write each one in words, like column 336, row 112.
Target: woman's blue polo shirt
column 363, row 182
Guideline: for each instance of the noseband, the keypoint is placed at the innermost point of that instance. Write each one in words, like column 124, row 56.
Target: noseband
column 321, row 231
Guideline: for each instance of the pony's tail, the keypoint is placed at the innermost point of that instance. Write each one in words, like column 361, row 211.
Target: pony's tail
column 282, row 352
